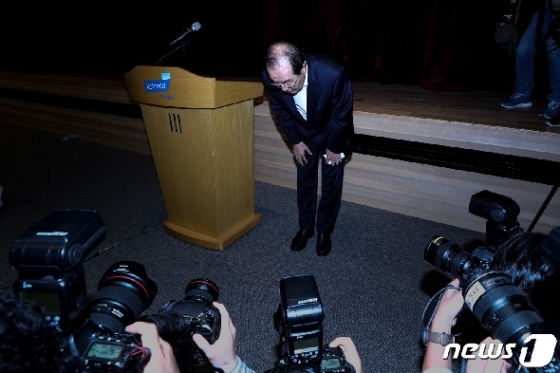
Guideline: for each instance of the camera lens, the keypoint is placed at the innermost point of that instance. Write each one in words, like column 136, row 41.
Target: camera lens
column 500, row 306
column 447, row 256
column 202, row 289
column 124, row 292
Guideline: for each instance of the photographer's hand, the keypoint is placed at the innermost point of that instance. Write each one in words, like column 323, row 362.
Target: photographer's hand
column 222, row 353
column 479, row 365
column 449, row 307
column 350, row 352
column 162, row 359
column 445, row 317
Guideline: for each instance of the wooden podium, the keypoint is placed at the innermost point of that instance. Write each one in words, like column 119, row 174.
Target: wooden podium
column 201, row 137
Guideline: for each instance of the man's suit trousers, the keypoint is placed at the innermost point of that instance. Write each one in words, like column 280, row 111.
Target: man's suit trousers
column 331, row 193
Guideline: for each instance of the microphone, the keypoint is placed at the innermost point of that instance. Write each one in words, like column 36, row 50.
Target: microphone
column 194, row 27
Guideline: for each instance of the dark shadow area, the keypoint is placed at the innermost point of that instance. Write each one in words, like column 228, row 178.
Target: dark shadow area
column 442, row 45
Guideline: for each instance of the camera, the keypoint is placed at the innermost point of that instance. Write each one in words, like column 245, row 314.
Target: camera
column 101, row 344
column 91, row 337
column 298, row 322
column 501, row 214
column 48, row 259
column 496, row 302
column 198, row 313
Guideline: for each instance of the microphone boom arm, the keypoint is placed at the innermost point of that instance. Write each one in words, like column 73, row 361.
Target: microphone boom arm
column 194, row 27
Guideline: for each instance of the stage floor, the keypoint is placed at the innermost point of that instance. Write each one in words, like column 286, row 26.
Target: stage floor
column 479, row 107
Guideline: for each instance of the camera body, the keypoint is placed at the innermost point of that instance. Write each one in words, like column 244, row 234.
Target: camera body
column 101, row 344
column 97, row 349
column 333, row 361
column 198, row 313
column 48, row 259
column 298, row 322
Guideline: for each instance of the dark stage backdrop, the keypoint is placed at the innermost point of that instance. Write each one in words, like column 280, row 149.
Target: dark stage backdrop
column 440, row 44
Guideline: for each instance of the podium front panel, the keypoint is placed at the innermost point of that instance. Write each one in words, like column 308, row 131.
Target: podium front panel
column 205, row 166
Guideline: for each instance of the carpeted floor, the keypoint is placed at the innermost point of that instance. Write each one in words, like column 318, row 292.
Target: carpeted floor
column 374, row 285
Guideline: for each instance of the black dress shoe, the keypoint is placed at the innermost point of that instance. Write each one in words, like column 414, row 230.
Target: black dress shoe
column 300, row 239
column 324, row 244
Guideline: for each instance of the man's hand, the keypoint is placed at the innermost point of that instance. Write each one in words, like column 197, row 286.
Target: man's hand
column 222, row 353
column 162, row 359
column 299, row 152
column 333, row 158
column 350, row 352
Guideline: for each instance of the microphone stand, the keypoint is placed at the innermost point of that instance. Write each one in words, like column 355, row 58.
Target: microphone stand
column 180, row 46
column 195, row 27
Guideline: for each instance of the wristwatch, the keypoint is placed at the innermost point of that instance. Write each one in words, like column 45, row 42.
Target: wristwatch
column 440, row 338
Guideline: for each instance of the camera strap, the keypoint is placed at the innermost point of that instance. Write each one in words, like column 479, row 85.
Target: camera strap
column 432, row 306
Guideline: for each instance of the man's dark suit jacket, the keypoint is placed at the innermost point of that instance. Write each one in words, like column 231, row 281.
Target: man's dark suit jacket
column 329, row 122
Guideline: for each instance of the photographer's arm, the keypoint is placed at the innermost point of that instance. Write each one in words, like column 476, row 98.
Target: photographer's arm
column 350, row 352
column 222, row 353
column 162, row 359
column 444, row 318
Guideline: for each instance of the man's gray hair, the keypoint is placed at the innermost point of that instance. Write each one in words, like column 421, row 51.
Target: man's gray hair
column 282, row 51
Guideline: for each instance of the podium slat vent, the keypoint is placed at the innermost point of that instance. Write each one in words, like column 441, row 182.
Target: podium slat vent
column 175, row 123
